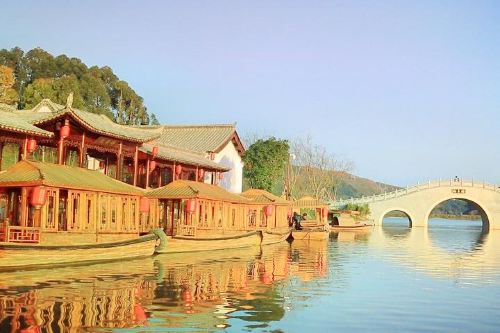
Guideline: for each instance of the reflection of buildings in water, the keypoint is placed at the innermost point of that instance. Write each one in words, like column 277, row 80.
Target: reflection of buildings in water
column 198, row 290
column 421, row 249
column 309, row 259
column 72, row 298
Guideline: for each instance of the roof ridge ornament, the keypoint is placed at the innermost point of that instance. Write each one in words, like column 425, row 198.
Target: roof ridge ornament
column 69, row 100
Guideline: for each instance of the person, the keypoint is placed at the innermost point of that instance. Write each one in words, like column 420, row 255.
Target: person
column 296, row 220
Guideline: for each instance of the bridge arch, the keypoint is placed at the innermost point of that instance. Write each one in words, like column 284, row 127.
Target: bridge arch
column 483, row 212
column 396, row 209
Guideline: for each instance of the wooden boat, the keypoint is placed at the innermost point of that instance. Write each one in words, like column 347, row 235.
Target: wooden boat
column 273, row 237
column 280, row 212
column 352, row 227
column 179, row 244
column 16, row 256
column 55, row 214
column 310, row 234
column 199, row 217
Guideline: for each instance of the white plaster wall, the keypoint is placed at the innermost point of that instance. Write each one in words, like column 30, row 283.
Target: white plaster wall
column 229, row 157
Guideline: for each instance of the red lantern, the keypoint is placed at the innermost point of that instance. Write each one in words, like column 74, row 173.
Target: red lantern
column 289, row 213
column 31, row 145
column 201, row 173
column 191, row 206
column 178, row 169
column 65, row 130
column 155, row 151
column 268, row 210
column 144, row 205
column 38, row 196
column 152, row 165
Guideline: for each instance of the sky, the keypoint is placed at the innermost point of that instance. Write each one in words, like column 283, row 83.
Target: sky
column 406, row 90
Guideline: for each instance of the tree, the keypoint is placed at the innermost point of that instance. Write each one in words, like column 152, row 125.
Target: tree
column 38, row 74
column 8, row 94
column 265, row 162
column 315, row 171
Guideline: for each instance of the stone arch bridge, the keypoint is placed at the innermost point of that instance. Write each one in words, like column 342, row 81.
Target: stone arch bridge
column 418, row 201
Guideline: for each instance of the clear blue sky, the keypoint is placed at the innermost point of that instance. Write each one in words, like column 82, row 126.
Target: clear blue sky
column 407, row 90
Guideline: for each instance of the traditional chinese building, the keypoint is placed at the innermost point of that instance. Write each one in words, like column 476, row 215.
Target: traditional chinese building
column 143, row 156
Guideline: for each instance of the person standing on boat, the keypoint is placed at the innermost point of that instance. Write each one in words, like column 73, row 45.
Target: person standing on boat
column 296, row 220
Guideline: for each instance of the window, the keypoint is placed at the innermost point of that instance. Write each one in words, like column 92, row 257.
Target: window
column 252, row 218
column 45, row 154
column 75, row 209
column 103, row 212
column 3, row 206
column 124, row 214
column 113, row 211
column 133, row 222
column 49, row 211
column 63, row 220
column 233, row 217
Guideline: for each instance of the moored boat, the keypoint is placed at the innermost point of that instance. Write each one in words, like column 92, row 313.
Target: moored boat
column 310, row 234
column 56, row 214
column 279, row 211
column 179, row 244
column 346, row 220
column 314, row 223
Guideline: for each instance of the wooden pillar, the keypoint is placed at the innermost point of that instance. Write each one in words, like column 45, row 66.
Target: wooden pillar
column 136, row 164
column 147, row 173
column 196, row 176
column 82, row 151
column 159, row 177
column 119, row 162
column 173, row 172
column 24, row 154
column 60, row 151
column 24, row 207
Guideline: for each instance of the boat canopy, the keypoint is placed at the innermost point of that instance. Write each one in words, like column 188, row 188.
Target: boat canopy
column 264, row 197
column 31, row 173
column 186, row 189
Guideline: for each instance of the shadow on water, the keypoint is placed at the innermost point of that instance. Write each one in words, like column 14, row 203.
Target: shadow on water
column 396, row 227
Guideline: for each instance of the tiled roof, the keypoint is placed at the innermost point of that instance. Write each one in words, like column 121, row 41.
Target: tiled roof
column 183, row 156
column 12, row 121
column 199, row 138
column 63, row 176
column 96, row 122
column 186, row 189
column 261, row 196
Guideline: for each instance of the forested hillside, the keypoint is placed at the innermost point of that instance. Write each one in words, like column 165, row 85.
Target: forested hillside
column 28, row 77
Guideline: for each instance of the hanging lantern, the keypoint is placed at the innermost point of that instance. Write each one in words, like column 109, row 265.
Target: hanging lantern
column 144, row 205
column 152, row 165
column 268, row 210
column 191, row 206
column 155, row 151
column 289, row 213
column 178, row 169
column 38, row 196
column 31, row 145
column 64, row 132
column 201, row 173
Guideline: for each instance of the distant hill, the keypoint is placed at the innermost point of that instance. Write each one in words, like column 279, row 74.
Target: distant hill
column 354, row 186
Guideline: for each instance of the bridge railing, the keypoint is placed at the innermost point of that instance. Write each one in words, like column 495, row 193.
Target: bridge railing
column 416, row 188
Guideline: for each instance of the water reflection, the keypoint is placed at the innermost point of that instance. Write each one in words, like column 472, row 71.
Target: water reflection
column 288, row 287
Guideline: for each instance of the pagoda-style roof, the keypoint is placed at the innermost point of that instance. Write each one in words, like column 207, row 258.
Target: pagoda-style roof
column 261, row 196
column 30, row 173
column 183, row 156
column 308, row 201
column 199, row 138
column 97, row 123
column 187, row 189
column 12, row 121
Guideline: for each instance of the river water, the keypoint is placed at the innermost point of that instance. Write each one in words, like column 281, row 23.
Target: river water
column 445, row 278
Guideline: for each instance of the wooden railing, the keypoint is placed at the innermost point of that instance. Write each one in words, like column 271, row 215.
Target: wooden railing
column 187, row 230
column 15, row 234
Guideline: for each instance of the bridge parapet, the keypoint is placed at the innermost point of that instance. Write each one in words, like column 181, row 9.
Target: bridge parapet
column 452, row 183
